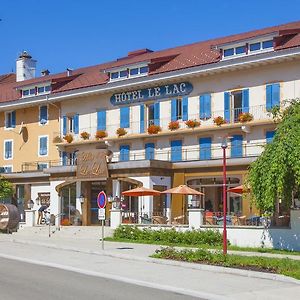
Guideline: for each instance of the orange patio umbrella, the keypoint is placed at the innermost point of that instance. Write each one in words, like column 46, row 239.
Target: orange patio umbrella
column 239, row 190
column 141, row 191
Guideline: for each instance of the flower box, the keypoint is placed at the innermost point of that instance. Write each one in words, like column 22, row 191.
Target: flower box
column 173, row 125
column 245, row 117
column 121, row 132
column 85, row 135
column 154, row 129
column 219, row 121
column 192, row 123
column 68, row 138
column 100, row 134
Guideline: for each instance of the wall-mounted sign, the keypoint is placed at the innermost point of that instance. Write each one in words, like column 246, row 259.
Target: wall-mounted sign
column 92, row 164
column 153, row 93
column 44, row 198
column 101, row 200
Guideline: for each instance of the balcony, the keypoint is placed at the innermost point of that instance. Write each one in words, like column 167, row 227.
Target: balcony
column 135, row 128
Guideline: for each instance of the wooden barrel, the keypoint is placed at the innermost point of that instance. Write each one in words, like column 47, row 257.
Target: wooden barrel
column 9, row 216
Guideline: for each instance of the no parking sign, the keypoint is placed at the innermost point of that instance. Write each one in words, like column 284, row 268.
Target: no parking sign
column 101, row 200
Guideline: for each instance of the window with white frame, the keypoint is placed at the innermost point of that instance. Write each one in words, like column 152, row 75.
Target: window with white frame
column 41, row 166
column 43, row 145
column 29, row 92
column 36, row 90
column 43, row 89
column 134, row 71
column 7, row 169
column 10, row 119
column 43, row 118
column 8, row 149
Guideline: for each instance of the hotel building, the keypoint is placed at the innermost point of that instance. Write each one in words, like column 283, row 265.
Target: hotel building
column 151, row 118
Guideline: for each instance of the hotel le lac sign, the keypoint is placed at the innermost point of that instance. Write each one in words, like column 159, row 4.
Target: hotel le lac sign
column 153, row 93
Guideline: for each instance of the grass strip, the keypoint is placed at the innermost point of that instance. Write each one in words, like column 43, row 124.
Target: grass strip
column 284, row 266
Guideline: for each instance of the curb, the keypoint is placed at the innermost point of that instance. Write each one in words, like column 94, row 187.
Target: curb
column 195, row 266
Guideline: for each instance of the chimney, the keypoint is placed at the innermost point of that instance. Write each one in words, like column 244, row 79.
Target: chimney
column 69, row 72
column 45, row 72
column 25, row 67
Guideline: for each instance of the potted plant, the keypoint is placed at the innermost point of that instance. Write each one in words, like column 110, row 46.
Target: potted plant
column 68, row 138
column 245, row 117
column 57, row 139
column 192, row 123
column 173, row 125
column 100, row 134
column 219, row 121
column 121, row 132
column 154, row 129
column 85, row 135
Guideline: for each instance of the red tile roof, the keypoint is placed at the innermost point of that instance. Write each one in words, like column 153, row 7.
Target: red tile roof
column 200, row 53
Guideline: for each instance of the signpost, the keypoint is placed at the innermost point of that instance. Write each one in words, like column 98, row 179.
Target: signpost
column 101, row 202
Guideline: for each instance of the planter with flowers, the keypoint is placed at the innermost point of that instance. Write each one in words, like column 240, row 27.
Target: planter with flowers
column 192, row 123
column 245, row 117
column 85, row 135
column 154, row 129
column 57, row 139
column 121, row 132
column 173, row 125
column 100, row 134
column 68, row 138
column 219, row 121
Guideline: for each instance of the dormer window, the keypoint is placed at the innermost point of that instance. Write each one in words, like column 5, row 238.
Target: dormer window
column 129, row 72
column 261, row 46
column 33, row 91
column 43, row 89
column 28, row 92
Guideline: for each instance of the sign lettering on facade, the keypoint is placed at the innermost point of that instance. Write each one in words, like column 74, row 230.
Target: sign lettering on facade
column 153, row 93
column 92, row 164
column 44, row 198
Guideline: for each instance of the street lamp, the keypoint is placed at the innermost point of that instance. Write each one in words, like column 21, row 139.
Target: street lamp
column 224, row 147
column 81, row 198
column 30, row 204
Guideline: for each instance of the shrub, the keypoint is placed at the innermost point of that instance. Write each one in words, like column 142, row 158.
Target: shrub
column 169, row 236
column 85, row 135
column 121, row 132
column 68, row 138
column 100, row 134
column 219, row 121
column 192, row 123
column 245, row 117
column 57, row 139
column 154, row 129
column 173, row 125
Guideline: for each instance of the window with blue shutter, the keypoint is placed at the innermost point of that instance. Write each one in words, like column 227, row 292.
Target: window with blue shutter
column 176, row 150
column 101, row 120
column 43, row 114
column 227, row 106
column 237, row 146
column 142, row 118
column 124, row 152
column 270, row 136
column 205, row 148
column 65, row 120
column 8, row 153
column 157, row 113
column 245, row 100
column 185, row 110
column 76, row 123
column 124, row 117
column 173, row 109
column 205, row 106
column 10, row 119
column 43, row 150
column 149, row 151
column 272, row 95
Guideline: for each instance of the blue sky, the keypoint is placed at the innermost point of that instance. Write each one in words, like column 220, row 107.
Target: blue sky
column 75, row 33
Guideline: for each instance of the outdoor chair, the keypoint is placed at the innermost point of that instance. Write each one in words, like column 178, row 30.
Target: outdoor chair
column 178, row 220
column 159, row 220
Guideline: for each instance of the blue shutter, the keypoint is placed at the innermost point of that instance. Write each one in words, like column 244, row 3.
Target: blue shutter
column 205, row 148
column 13, row 119
column 43, row 114
column 76, row 123
column 185, row 110
column 176, row 150
column 275, row 94
column 202, row 107
column 124, row 152
column 245, row 100
column 156, row 113
column 207, row 106
column 270, row 136
column 124, row 117
column 237, row 146
column 65, row 158
column 142, row 118
column 101, row 120
column 65, row 119
column 149, row 151
column 227, row 106
column 43, row 146
column 269, row 96
column 173, row 109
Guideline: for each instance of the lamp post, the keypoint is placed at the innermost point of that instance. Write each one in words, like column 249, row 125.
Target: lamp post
column 224, row 147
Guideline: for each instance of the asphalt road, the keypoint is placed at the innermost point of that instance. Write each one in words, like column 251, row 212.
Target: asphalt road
column 26, row 281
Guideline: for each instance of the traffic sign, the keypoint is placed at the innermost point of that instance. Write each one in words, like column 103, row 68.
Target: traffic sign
column 101, row 200
column 101, row 214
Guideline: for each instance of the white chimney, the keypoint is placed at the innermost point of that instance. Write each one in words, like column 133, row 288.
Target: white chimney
column 26, row 66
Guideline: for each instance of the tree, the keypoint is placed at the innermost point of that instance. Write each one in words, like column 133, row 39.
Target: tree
column 276, row 173
column 6, row 188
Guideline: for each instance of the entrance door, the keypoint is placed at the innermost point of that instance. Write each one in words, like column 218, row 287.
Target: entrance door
column 70, row 216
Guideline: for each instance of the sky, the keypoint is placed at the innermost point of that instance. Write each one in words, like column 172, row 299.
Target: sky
column 62, row 34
